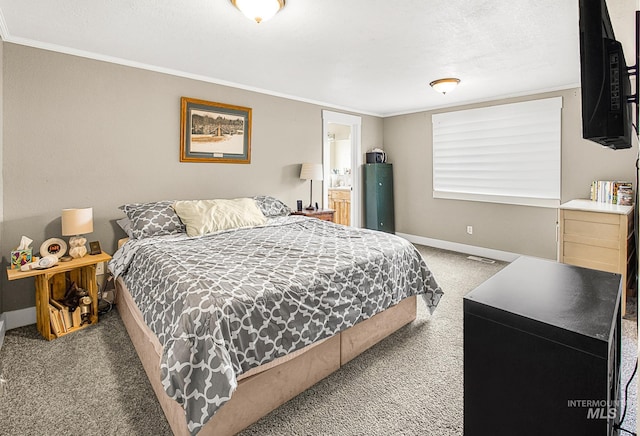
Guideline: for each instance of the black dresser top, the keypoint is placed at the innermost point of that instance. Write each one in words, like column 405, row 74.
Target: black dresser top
column 553, row 295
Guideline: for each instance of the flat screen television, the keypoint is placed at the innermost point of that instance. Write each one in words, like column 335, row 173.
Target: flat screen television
column 606, row 115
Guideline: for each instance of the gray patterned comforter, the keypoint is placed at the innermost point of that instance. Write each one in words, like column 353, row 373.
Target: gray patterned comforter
column 224, row 303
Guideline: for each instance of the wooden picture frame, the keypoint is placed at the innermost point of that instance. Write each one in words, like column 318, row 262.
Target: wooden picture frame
column 214, row 132
column 94, row 247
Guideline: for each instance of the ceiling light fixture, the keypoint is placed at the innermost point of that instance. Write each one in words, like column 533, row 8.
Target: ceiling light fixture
column 259, row 10
column 445, row 85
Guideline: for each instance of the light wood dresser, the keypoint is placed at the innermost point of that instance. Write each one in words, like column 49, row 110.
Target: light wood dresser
column 340, row 201
column 599, row 236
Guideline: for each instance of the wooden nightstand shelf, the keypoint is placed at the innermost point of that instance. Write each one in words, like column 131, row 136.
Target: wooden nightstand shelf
column 51, row 283
column 321, row 214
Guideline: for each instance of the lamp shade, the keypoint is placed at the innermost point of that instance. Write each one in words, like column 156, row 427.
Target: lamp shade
column 259, row 10
column 77, row 221
column 311, row 171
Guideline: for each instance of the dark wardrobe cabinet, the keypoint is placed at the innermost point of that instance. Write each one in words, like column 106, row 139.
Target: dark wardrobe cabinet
column 378, row 197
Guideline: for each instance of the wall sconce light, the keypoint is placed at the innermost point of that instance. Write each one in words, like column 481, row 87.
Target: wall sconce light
column 445, row 85
column 259, row 10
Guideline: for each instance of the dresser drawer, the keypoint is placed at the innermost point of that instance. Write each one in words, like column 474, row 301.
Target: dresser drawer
column 321, row 214
column 596, row 226
column 590, row 256
column 339, row 194
column 328, row 216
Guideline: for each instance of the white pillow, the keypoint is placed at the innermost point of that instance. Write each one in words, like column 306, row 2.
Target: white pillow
column 202, row 217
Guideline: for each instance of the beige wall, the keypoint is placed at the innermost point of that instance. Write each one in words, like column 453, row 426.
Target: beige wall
column 82, row 133
column 517, row 229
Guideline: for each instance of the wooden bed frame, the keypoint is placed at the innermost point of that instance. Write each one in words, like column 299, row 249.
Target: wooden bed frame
column 259, row 394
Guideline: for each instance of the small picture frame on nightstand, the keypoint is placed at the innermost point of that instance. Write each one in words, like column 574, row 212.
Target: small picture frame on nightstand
column 94, row 247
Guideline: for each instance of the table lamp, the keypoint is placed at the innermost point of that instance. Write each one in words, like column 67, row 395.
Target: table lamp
column 311, row 172
column 75, row 223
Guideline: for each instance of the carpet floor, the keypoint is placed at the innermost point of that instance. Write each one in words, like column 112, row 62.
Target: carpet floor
column 92, row 382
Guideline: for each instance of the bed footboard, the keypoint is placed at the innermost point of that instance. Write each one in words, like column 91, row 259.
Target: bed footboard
column 364, row 335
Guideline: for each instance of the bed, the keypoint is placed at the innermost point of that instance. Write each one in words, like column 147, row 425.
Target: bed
column 231, row 323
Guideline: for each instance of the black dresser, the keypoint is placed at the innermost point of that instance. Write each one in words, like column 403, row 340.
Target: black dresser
column 542, row 351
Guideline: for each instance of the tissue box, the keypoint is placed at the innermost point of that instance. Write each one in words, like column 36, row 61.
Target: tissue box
column 20, row 257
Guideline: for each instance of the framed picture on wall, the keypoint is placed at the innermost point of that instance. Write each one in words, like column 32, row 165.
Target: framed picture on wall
column 214, row 132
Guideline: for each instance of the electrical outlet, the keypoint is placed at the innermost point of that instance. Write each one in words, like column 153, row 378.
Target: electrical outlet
column 470, row 230
column 100, row 269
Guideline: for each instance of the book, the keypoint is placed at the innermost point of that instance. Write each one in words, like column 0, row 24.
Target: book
column 625, row 195
column 608, row 191
column 76, row 317
column 55, row 304
column 63, row 314
column 66, row 315
column 63, row 326
column 56, row 328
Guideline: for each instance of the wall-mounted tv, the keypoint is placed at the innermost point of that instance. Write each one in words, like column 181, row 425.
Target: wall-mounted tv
column 606, row 115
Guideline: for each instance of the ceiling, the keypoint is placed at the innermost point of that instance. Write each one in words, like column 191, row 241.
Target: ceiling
column 370, row 56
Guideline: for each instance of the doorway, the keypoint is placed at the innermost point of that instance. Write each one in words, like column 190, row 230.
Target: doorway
column 342, row 159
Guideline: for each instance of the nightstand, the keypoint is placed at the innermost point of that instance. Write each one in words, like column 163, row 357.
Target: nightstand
column 600, row 236
column 51, row 284
column 321, row 214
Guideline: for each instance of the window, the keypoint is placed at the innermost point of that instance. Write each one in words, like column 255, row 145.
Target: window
column 504, row 154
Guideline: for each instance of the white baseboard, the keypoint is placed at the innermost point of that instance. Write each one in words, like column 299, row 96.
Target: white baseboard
column 20, row 318
column 3, row 328
column 461, row 248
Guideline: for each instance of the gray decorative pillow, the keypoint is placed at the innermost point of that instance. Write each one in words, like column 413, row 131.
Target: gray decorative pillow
column 153, row 219
column 271, row 207
column 125, row 224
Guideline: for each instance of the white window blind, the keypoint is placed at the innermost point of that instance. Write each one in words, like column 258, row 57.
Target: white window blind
column 504, row 154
